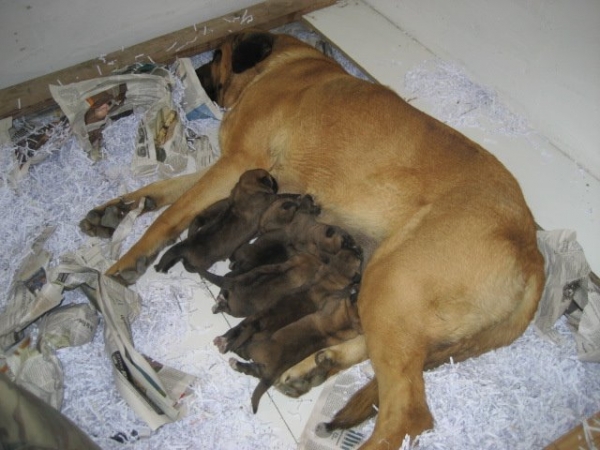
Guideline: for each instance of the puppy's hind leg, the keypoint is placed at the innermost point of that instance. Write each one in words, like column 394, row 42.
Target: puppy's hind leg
column 246, row 368
column 171, row 257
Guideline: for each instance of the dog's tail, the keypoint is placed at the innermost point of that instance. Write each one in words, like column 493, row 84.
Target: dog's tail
column 262, row 387
column 362, row 406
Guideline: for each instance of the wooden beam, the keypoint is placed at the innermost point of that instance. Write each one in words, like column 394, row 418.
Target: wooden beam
column 33, row 96
column 578, row 438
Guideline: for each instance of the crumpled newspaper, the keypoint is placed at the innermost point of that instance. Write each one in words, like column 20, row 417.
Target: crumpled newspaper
column 153, row 390
column 162, row 143
column 570, row 288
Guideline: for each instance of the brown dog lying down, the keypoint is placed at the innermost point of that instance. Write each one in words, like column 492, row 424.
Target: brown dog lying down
column 225, row 225
column 455, row 269
column 335, row 321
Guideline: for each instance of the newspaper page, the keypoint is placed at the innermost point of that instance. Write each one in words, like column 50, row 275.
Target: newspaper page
column 40, row 372
column 587, row 336
column 33, row 138
column 196, row 104
column 154, row 391
column 30, row 294
column 569, row 289
column 335, row 394
column 91, row 104
column 161, row 146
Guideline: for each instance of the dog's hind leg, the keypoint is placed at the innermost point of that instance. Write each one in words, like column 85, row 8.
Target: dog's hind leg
column 362, row 406
column 318, row 367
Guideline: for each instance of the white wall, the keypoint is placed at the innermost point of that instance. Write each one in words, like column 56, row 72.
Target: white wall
column 42, row 36
column 542, row 54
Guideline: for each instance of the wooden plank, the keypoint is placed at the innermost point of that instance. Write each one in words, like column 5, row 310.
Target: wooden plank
column 33, row 95
column 576, row 439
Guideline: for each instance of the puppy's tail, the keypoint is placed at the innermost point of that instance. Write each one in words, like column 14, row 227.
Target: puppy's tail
column 262, row 387
column 362, row 406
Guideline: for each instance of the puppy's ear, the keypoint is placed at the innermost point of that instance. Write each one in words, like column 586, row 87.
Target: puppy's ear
column 251, row 50
column 270, row 182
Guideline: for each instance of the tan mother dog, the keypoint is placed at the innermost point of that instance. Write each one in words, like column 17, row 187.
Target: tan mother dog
column 455, row 270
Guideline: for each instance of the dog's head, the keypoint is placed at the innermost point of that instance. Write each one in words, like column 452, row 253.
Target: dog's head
column 225, row 76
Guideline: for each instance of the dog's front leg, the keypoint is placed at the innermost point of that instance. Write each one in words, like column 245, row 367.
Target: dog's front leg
column 104, row 219
column 214, row 185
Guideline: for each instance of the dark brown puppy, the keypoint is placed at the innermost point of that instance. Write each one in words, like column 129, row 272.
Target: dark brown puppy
column 455, row 269
column 338, row 274
column 336, row 321
column 279, row 237
column 225, row 225
column 247, row 293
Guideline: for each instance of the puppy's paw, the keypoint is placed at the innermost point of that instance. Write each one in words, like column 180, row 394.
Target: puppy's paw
column 220, row 307
column 247, row 368
column 222, row 343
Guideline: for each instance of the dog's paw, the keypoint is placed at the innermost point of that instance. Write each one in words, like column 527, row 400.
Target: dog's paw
column 292, row 387
column 302, row 377
column 323, row 430
column 219, row 307
column 127, row 275
column 324, row 359
column 103, row 221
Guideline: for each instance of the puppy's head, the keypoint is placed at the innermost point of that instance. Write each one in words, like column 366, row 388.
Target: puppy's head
column 252, row 182
column 279, row 213
column 227, row 74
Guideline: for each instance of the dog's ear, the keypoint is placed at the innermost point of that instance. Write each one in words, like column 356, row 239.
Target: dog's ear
column 251, row 50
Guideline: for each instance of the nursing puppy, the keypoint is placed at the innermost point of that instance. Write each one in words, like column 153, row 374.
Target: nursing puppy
column 247, row 293
column 279, row 239
column 225, row 225
column 335, row 321
column 338, row 275
column 455, row 269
